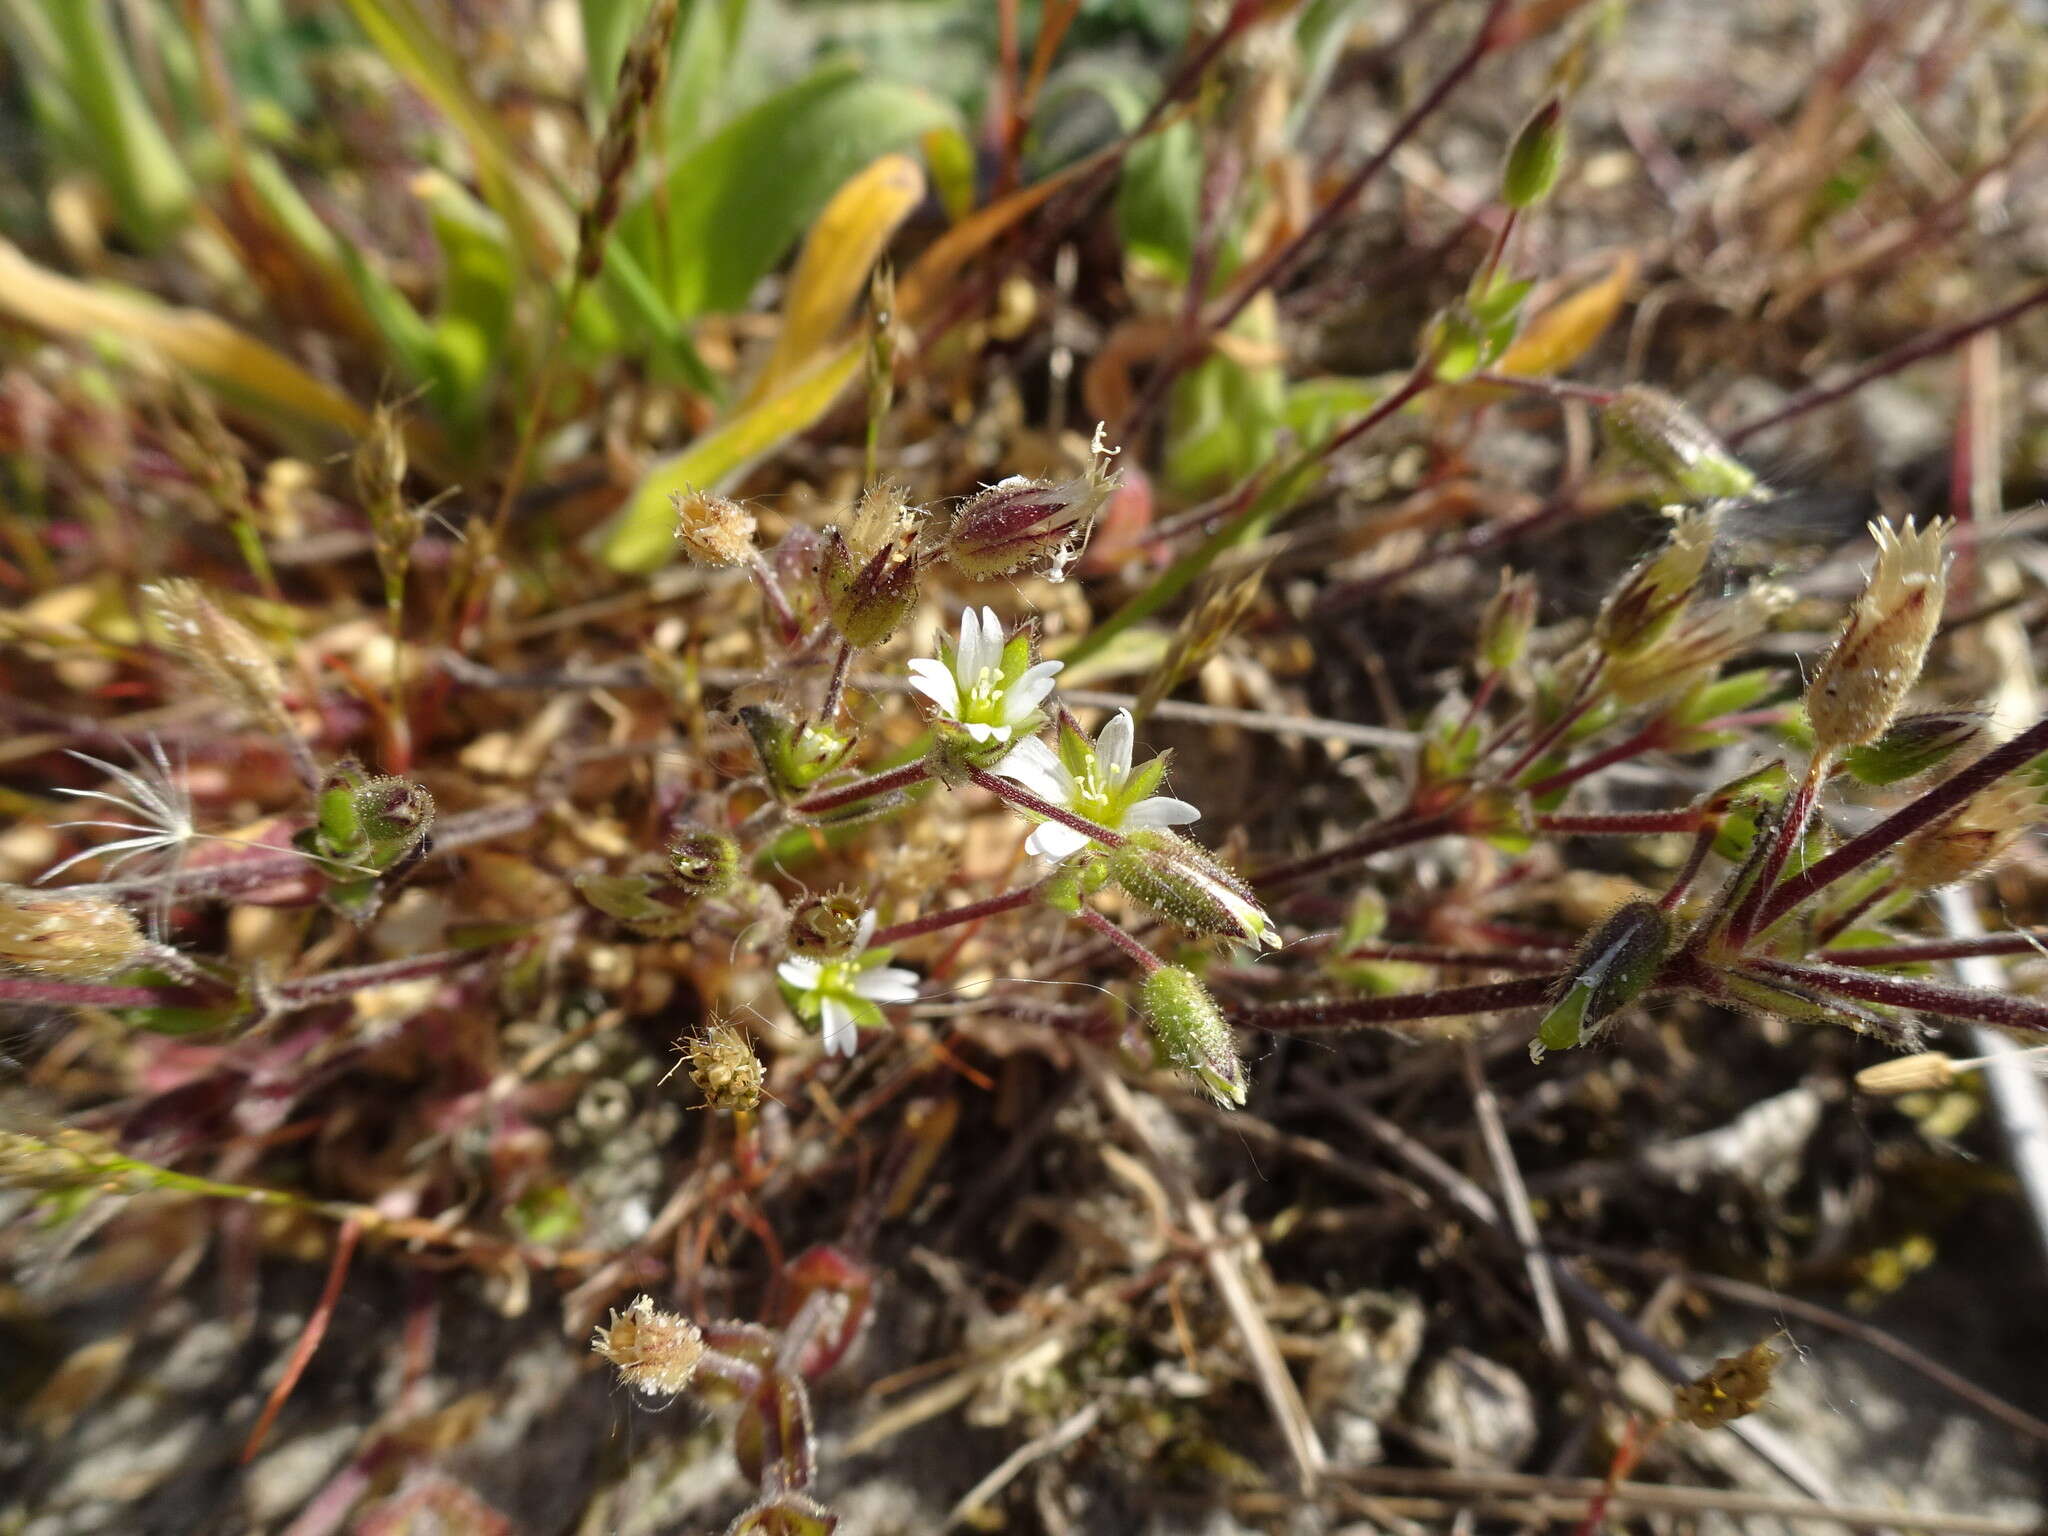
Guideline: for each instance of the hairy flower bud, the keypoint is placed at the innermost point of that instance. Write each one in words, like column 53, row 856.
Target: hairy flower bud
column 785, row 1514
column 1189, row 887
column 1916, row 744
column 223, row 651
column 1505, row 626
column 1651, row 597
column 714, row 530
column 1534, row 159
column 369, row 828
column 1192, row 1031
column 1970, row 839
column 1661, row 435
column 1863, row 680
column 1685, row 656
column 703, row 861
column 657, row 1352
column 725, row 1069
column 1021, row 523
column 1613, row 967
column 75, row 938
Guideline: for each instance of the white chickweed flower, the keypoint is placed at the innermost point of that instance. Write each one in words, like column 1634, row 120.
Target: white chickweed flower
column 843, row 994
column 1094, row 780
column 988, row 688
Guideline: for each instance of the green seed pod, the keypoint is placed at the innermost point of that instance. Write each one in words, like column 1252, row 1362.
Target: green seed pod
column 1914, row 745
column 1535, row 157
column 1188, row 887
column 1662, row 436
column 1614, row 966
column 1192, row 1031
column 703, row 861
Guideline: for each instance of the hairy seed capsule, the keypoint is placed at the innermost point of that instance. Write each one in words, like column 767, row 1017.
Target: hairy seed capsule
column 703, row 861
column 655, row 1351
column 1191, row 1029
column 868, row 596
column 74, row 938
column 1653, row 595
column 826, row 925
column 1661, row 435
column 1863, row 680
column 1614, row 966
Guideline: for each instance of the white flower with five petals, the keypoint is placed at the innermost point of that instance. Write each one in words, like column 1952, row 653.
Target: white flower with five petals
column 843, row 994
column 987, row 687
column 1094, row 781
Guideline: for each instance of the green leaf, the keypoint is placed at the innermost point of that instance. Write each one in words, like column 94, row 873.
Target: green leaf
column 738, row 202
column 1158, row 200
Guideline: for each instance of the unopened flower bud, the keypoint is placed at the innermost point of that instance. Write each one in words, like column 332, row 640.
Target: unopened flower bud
column 1505, row 626
column 1922, row 1072
column 703, row 861
column 1189, row 887
column 826, row 925
column 1535, row 157
column 657, row 1352
column 367, row 826
column 1914, row 745
column 1665, row 438
column 1652, row 596
column 223, row 651
column 714, row 530
column 1021, row 523
column 1192, row 1031
column 1614, row 966
column 74, row 938
column 1970, row 839
column 1863, row 680
column 1683, row 658
column 868, row 596
column 725, row 1069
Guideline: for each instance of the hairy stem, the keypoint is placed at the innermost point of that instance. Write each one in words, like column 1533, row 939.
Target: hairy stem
column 1024, row 800
column 864, row 789
column 1146, row 960
column 1335, row 1014
column 954, row 917
column 2024, row 941
column 1945, row 999
column 1397, row 833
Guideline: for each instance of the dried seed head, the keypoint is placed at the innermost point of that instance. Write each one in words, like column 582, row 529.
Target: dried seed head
column 724, row 1068
column 1661, row 435
column 703, row 861
column 1733, row 1389
column 714, row 530
column 234, row 663
column 74, row 938
column 641, row 73
column 1505, row 627
column 68, row 1159
column 1189, row 887
column 1919, row 1073
column 655, row 1351
column 1970, row 839
column 1614, row 966
column 1861, row 682
column 1535, row 157
column 1916, row 744
column 1020, row 523
column 1651, row 597
column 380, row 469
column 1191, row 1029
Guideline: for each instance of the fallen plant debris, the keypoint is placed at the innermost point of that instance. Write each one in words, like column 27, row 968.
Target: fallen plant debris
column 1063, row 767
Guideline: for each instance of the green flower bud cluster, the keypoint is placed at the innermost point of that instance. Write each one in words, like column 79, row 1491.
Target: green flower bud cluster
column 368, row 831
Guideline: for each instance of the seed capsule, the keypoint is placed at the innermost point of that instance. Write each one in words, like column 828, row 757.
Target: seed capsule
column 1860, row 684
column 1614, row 966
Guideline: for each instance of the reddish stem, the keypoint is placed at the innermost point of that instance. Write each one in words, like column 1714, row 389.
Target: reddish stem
column 1622, row 823
column 309, row 1337
column 1333, row 1014
column 953, row 917
column 1657, row 733
column 77, row 994
column 1545, row 961
column 864, row 789
column 1024, row 800
column 1397, row 833
column 1788, row 834
column 1886, row 835
column 1912, row 951
column 1973, row 1004
column 1146, row 960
